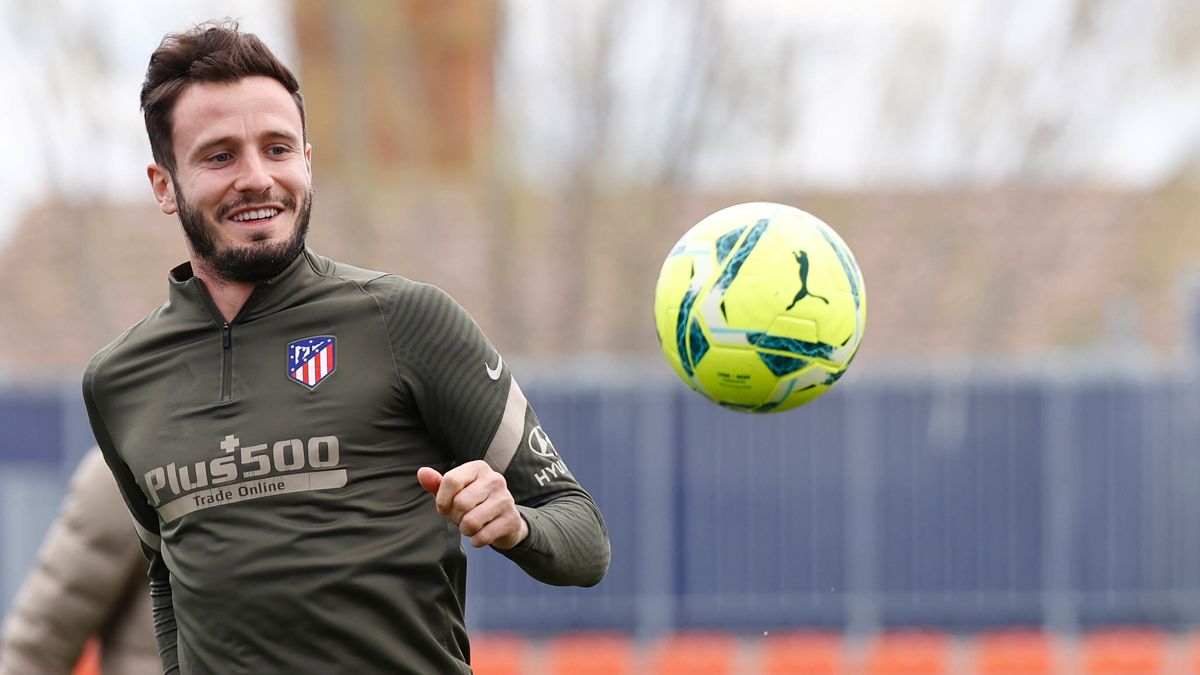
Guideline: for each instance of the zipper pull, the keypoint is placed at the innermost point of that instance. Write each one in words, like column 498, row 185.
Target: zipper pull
column 226, row 338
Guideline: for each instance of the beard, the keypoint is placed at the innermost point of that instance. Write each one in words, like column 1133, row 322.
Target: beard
column 257, row 261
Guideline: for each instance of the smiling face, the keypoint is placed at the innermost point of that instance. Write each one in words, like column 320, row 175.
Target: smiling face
column 242, row 186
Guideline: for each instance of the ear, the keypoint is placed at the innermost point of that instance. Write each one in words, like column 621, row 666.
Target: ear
column 164, row 188
column 308, row 159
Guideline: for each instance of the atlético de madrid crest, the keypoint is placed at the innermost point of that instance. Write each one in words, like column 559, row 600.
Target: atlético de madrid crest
column 311, row 360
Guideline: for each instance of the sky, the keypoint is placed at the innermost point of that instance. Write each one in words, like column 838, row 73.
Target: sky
column 74, row 69
column 865, row 92
column 876, row 92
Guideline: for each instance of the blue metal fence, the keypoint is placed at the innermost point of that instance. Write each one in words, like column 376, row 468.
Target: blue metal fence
column 954, row 502
column 959, row 503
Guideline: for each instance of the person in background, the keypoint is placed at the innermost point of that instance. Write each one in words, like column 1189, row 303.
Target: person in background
column 89, row 581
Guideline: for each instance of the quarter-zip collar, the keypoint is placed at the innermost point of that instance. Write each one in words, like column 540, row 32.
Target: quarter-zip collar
column 286, row 289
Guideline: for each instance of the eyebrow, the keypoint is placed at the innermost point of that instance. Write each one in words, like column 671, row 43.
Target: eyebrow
column 208, row 146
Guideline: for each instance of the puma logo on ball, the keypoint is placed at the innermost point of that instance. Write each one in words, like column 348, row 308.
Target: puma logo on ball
column 802, row 260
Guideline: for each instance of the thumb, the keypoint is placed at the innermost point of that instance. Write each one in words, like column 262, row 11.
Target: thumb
column 429, row 479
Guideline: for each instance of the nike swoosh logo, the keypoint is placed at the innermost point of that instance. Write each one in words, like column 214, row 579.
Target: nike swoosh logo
column 494, row 373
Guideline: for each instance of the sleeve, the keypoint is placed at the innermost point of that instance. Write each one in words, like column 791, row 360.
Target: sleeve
column 474, row 408
column 145, row 524
column 568, row 541
column 79, row 578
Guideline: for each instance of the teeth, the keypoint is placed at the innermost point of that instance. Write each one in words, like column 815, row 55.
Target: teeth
column 255, row 215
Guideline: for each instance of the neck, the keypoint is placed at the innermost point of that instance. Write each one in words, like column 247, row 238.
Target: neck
column 228, row 296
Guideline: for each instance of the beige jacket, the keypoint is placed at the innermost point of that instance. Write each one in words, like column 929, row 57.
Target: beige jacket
column 90, row 579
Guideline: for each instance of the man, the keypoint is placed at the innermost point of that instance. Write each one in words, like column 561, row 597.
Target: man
column 89, row 580
column 303, row 443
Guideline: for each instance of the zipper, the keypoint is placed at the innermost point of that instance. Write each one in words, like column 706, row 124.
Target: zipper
column 226, row 362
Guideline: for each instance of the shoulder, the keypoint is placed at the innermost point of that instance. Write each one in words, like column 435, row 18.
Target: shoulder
column 340, row 271
column 416, row 316
column 112, row 352
column 423, row 320
column 415, row 301
column 390, row 290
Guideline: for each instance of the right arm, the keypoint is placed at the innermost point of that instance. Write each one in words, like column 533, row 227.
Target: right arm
column 164, row 615
column 145, row 521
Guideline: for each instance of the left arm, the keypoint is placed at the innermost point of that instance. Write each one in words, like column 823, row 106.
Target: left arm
column 562, row 541
column 510, row 489
column 567, row 544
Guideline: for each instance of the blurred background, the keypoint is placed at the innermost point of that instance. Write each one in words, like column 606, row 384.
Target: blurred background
column 1017, row 442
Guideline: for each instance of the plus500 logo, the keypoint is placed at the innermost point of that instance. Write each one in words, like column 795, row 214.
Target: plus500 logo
column 242, row 462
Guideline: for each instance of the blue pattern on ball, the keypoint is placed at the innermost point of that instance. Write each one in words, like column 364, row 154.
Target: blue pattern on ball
column 698, row 343
column 816, row 350
column 681, row 329
column 726, row 243
column 739, row 256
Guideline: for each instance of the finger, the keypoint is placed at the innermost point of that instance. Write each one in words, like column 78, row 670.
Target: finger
column 429, row 479
column 487, row 483
column 453, row 482
column 469, row 498
column 478, row 518
column 498, row 531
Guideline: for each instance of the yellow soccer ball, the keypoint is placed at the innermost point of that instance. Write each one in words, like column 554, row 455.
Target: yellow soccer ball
column 760, row 307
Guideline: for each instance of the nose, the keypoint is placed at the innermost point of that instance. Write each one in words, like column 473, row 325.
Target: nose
column 253, row 176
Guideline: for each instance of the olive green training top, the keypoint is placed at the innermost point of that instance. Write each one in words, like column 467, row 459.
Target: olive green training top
column 270, row 466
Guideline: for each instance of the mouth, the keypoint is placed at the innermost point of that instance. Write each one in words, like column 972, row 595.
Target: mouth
column 257, row 216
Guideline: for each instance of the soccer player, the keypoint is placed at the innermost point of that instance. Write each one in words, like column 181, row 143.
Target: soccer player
column 303, row 443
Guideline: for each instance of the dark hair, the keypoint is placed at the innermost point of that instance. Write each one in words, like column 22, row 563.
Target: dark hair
column 209, row 52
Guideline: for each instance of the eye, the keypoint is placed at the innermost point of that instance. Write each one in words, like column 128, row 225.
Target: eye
column 221, row 157
column 277, row 150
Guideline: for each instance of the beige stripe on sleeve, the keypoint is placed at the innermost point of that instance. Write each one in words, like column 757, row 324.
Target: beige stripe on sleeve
column 512, row 428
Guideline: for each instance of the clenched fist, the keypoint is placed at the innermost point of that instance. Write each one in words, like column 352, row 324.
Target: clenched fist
column 475, row 497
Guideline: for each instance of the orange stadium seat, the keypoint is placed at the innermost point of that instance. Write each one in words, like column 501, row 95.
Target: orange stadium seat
column 1125, row 651
column 695, row 654
column 498, row 654
column 590, row 654
column 89, row 660
column 1014, row 652
column 802, row 653
column 909, row 653
column 1193, row 654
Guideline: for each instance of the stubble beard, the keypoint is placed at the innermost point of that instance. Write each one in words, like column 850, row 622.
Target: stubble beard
column 250, row 263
